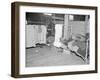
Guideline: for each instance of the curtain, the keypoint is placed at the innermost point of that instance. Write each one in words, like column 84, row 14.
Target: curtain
column 58, row 35
column 35, row 34
column 30, row 36
column 43, row 34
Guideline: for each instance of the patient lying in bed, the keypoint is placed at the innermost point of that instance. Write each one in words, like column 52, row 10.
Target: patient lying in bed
column 77, row 45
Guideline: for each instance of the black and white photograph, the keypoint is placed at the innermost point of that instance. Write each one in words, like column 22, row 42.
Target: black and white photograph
column 53, row 39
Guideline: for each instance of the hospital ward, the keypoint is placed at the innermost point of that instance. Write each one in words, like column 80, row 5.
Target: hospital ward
column 55, row 39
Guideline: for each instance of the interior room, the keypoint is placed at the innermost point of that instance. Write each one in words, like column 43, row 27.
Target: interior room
column 53, row 39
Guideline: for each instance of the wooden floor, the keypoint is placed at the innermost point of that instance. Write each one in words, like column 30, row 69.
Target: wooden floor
column 50, row 56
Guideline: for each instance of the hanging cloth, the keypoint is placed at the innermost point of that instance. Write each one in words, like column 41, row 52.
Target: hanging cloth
column 39, row 29
column 43, row 34
column 30, row 36
column 38, row 33
column 58, row 35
